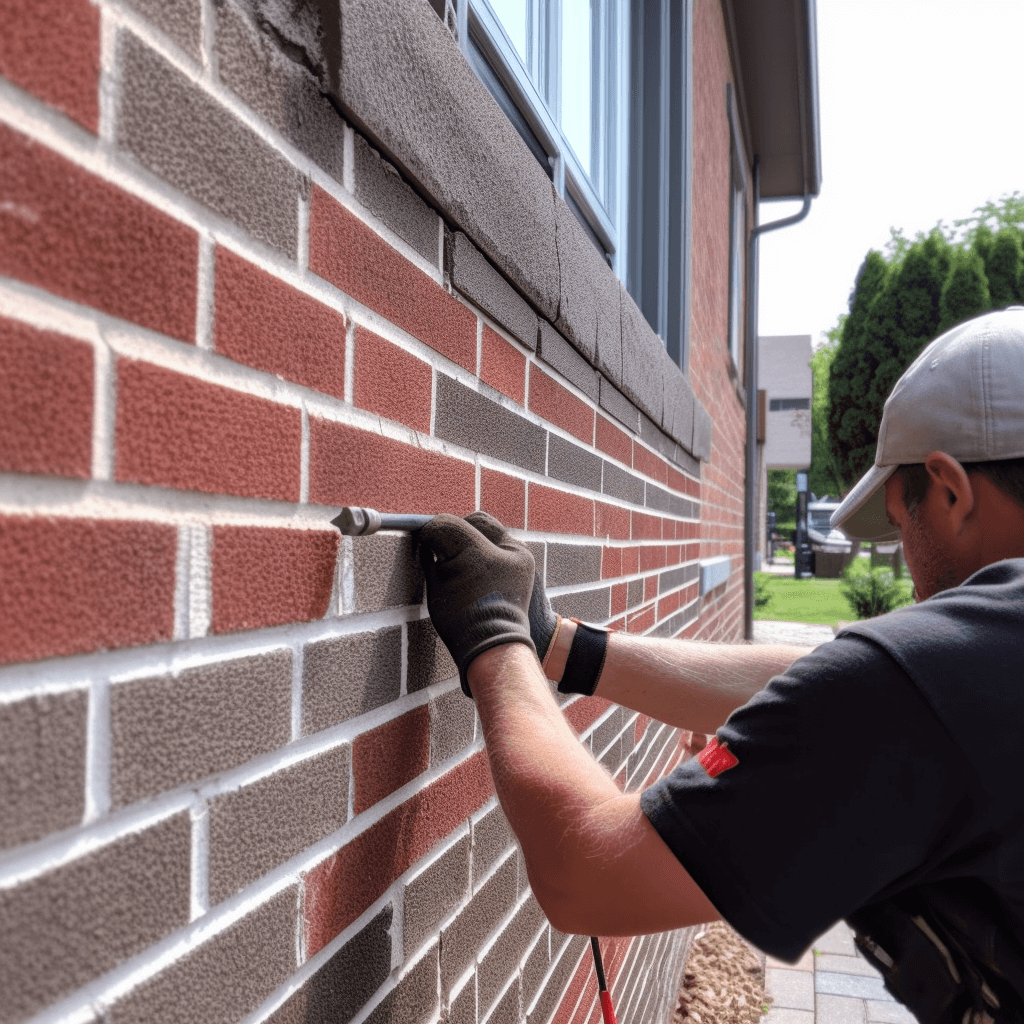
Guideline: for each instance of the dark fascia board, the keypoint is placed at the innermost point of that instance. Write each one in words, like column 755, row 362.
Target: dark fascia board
column 776, row 57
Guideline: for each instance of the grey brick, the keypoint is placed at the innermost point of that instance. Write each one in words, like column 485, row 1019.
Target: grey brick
column 507, row 1010
column 267, row 822
column 397, row 68
column 492, row 839
column 889, row 1013
column 552, row 992
column 587, row 605
column 570, row 564
column 535, row 967
column 539, row 551
column 42, row 766
column 340, row 989
column 380, row 188
column 658, row 498
column 348, row 675
column 386, row 572
column 434, row 894
column 226, row 977
column 452, row 725
column 588, row 303
column 472, row 274
column 64, row 928
column 561, row 356
column 285, row 93
column 654, row 437
column 838, row 1010
column 572, row 464
column 179, row 19
column 462, row 1005
column 685, row 461
column 616, row 404
column 621, row 484
column 428, row 659
column 464, row 416
column 613, row 757
column 414, row 999
column 677, row 410
column 831, row 984
column 701, row 432
column 683, row 507
column 608, row 729
column 510, row 947
column 643, row 361
column 181, row 134
column 168, row 730
column 674, row 578
column 468, row 932
column 645, row 762
column 634, row 593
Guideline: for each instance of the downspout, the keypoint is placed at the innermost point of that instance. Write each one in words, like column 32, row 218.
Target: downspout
column 752, row 478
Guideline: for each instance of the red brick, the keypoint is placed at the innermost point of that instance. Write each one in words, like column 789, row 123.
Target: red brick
column 391, row 382
column 641, row 621
column 554, row 511
column 504, row 497
column 630, row 561
column 584, row 711
column 618, row 598
column 348, row 466
column 266, row 577
column 650, row 587
column 640, row 727
column 573, row 992
column 617, row 624
column 386, row 758
column 676, row 480
column 652, row 557
column 45, row 402
column 611, row 563
column 51, row 48
column 613, row 442
column 344, row 251
column 646, row 527
column 587, row 1003
column 559, row 406
column 265, row 323
column 177, row 431
column 74, row 585
column 339, row 889
column 86, row 240
column 502, row 365
column 667, row 605
column 611, row 521
column 648, row 463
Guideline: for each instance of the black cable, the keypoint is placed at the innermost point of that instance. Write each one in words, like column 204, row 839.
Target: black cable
column 595, row 946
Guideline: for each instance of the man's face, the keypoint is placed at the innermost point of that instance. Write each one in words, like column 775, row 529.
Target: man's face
column 931, row 567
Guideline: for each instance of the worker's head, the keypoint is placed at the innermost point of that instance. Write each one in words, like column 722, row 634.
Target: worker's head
column 948, row 476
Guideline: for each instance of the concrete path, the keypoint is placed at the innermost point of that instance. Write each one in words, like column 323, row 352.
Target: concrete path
column 831, row 984
column 768, row 631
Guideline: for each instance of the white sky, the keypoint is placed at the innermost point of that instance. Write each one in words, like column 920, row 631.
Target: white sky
column 922, row 119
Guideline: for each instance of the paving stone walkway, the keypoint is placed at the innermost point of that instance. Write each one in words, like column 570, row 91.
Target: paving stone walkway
column 768, row 631
column 831, row 984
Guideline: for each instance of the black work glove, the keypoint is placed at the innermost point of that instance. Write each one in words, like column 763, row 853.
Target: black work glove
column 543, row 621
column 478, row 591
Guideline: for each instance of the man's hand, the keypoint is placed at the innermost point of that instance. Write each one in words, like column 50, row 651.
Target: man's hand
column 478, row 589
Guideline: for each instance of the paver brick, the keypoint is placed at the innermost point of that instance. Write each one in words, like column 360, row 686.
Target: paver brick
column 391, row 382
column 167, row 730
column 838, row 1010
column 42, row 765
column 46, row 395
column 853, row 985
column 836, row 964
column 880, row 1012
column 88, row 241
column 793, row 989
column 348, row 675
column 434, row 894
column 266, row 822
column 838, row 939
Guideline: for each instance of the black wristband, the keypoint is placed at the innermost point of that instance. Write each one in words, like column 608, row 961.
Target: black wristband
column 585, row 661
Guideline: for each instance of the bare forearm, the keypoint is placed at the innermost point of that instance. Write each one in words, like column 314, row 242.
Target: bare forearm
column 692, row 685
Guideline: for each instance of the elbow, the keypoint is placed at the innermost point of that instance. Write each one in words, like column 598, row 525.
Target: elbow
column 558, row 903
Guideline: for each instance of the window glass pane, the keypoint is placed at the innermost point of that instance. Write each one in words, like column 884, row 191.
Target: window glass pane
column 512, row 15
column 577, row 77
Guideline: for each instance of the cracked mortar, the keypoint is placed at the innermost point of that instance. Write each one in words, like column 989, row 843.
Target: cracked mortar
column 723, row 983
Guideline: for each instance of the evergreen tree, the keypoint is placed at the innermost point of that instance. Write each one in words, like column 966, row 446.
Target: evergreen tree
column 1003, row 266
column 822, row 478
column 965, row 293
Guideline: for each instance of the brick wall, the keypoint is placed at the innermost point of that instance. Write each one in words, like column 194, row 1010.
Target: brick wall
column 238, row 780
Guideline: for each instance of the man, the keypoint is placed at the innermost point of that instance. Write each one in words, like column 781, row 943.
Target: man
column 876, row 778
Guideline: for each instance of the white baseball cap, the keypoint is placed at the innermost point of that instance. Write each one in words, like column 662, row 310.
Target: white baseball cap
column 963, row 395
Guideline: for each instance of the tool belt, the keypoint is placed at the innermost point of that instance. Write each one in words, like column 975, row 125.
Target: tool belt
column 926, row 967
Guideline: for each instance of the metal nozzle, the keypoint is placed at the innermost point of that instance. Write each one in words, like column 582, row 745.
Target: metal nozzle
column 353, row 521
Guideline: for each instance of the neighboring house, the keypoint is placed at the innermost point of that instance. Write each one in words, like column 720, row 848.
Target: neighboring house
column 261, row 260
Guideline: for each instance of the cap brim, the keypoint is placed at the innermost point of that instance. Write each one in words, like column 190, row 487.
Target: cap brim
column 862, row 514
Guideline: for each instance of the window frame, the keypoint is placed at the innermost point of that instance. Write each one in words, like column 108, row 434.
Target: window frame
column 738, row 224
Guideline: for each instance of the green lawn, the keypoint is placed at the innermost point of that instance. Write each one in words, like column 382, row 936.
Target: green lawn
column 816, row 601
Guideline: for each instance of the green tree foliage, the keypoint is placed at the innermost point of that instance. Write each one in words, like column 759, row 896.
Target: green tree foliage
column 782, row 493
column 1004, row 268
column 823, row 478
column 872, row 592
column 965, row 293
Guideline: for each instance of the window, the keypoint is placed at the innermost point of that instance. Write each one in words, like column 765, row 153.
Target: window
column 599, row 90
column 737, row 235
column 784, row 404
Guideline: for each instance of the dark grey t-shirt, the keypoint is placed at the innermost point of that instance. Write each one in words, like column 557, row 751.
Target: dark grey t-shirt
column 859, row 777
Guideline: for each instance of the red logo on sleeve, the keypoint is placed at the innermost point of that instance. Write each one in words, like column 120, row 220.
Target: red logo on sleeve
column 717, row 758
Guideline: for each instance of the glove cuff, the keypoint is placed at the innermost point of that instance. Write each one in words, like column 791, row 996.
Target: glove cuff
column 485, row 645
column 585, row 661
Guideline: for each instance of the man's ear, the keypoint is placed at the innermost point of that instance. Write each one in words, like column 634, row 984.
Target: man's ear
column 951, row 489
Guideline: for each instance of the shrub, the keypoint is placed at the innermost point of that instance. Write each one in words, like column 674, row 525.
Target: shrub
column 762, row 589
column 872, row 592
